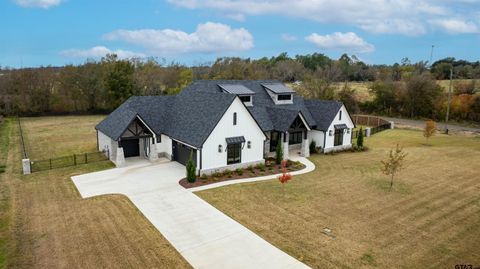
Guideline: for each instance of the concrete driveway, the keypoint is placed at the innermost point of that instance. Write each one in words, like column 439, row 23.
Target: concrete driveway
column 204, row 236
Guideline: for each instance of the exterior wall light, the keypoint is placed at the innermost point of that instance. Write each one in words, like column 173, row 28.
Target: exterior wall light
column 219, row 148
column 330, row 133
column 348, row 131
column 249, row 144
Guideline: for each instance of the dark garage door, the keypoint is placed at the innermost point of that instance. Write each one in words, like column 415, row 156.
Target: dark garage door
column 181, row 153
column 130, row 147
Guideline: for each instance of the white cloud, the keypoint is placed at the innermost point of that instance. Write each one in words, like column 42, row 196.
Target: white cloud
column 208, row 38
column 38, row 3
column 288, row 37
column 349, row 42
column 456, row 26
column 100, row 51
column 407, row 17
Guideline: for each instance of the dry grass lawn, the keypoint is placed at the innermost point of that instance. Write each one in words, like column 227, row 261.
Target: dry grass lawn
column 50, row 137
column 46, row 224
column 430, row 220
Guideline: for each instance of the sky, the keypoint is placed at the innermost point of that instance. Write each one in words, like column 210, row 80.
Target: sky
column 58, row 32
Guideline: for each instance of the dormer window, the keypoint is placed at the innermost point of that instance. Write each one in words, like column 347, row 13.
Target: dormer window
column 280, row 94
column 284, row 97
column 244, row 93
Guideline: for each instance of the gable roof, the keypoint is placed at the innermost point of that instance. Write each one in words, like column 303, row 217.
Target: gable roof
column 323, row 112
column 262, row 102
column 189, row 118
column 191, row 115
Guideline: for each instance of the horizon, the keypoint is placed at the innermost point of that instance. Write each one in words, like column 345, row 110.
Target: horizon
column 61, row 32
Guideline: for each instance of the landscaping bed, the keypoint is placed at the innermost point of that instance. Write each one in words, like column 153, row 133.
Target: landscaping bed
column 260, row 170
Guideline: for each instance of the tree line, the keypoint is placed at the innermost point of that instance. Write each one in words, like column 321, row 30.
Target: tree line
column 99, row 86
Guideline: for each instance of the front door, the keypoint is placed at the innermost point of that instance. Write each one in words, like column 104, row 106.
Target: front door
column 131, row 147
column 274, row 138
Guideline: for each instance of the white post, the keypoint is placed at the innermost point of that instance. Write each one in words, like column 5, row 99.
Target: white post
column 392, row 125
column 368, row 131
column 26, row 166
column 305, row 148
column 285, row 146
column 120, row 160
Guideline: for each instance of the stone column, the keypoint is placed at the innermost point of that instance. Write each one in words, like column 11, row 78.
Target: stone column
column 153, row 153
column 27, row 169
column 285, row 145
column 120, row 160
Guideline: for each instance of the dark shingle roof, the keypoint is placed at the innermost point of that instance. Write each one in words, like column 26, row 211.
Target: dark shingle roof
column 189, row 118
column 323, row 112
column 192, row 115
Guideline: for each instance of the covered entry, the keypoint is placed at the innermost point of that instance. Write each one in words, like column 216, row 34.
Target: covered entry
column 136, row 139
column 181, row 153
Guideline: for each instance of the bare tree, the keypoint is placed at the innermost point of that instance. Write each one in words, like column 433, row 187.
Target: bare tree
column 394, row 163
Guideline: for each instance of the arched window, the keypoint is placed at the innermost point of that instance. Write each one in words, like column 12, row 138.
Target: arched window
column 235, row 118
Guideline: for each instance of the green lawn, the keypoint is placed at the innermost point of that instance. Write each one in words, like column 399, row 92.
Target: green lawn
column 431, row 219
column 50, row 137
column 44, row 223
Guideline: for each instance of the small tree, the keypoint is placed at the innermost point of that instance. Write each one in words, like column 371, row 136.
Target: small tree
column 360, row 139
column 279, row 152
column 394, row 163
column 313, row 147
column 285, row 176
column 430, row 128
column 190, row 167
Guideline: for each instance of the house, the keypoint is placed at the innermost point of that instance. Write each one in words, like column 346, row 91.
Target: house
column 223, row 124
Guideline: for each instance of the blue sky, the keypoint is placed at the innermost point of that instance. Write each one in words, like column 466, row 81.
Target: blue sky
column 58, row 32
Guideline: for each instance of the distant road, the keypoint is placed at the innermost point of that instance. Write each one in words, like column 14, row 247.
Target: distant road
column 440, row 125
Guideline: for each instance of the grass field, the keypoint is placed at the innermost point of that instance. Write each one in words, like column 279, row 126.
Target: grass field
column 49, row 137
column 44, row 223
column 431, row 219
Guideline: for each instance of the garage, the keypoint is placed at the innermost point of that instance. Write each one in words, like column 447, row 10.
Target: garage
column 131, row 147
column 181, row 153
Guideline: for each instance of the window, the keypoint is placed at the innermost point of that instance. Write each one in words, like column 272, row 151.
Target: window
column 234, row 153
column 245, row 99
column 340, row 115
column 295, row 138
column 235, row 118
column 338, row 139
column 284, row 97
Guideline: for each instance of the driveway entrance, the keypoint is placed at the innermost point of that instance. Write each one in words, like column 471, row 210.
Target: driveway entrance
column 204, row 236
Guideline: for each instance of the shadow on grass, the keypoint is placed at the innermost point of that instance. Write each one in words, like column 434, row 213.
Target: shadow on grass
column 384, row 186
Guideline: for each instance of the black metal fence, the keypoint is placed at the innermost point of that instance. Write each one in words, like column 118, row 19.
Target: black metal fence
column 356, row 132
column 380, row 128
column 66, row 161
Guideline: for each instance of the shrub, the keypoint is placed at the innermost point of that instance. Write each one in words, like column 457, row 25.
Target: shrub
column 217, row 174
column 190, row 167
column 239, row 171
column 279, row 152
column 2, row 168
column 261, row 167
column 360, row 138
column 251, row 168
column 313, row 147
column 227, row 173
column 204, row 177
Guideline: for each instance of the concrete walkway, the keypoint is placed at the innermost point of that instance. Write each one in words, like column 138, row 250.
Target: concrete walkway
column 204, row 236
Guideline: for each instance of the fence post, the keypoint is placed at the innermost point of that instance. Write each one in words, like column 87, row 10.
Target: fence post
column 74, row 159
column 368, row 120
column 27, row 167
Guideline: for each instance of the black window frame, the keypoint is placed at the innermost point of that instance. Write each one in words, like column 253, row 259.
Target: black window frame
column 295, row 138
column 242, row 98
column 340, row 115
column 282, row 97
column 235, row 118
column 338, row 138
column 234, row 153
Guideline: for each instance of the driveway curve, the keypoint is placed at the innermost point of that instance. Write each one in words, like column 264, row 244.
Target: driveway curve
column 204, row 236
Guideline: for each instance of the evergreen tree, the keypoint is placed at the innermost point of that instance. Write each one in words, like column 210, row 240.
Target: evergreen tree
column 190, row 167
column 360, row 138
column 279, row 152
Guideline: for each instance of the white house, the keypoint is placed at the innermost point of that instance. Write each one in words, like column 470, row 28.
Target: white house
column 223, row 125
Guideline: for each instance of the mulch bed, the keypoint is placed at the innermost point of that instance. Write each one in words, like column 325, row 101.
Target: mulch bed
column 270, row 168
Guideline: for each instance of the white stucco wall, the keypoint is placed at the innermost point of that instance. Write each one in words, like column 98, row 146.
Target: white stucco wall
column 317, row 136
column 347, row 137
column 164, row 147
column 106, row 143
column 246, row 126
